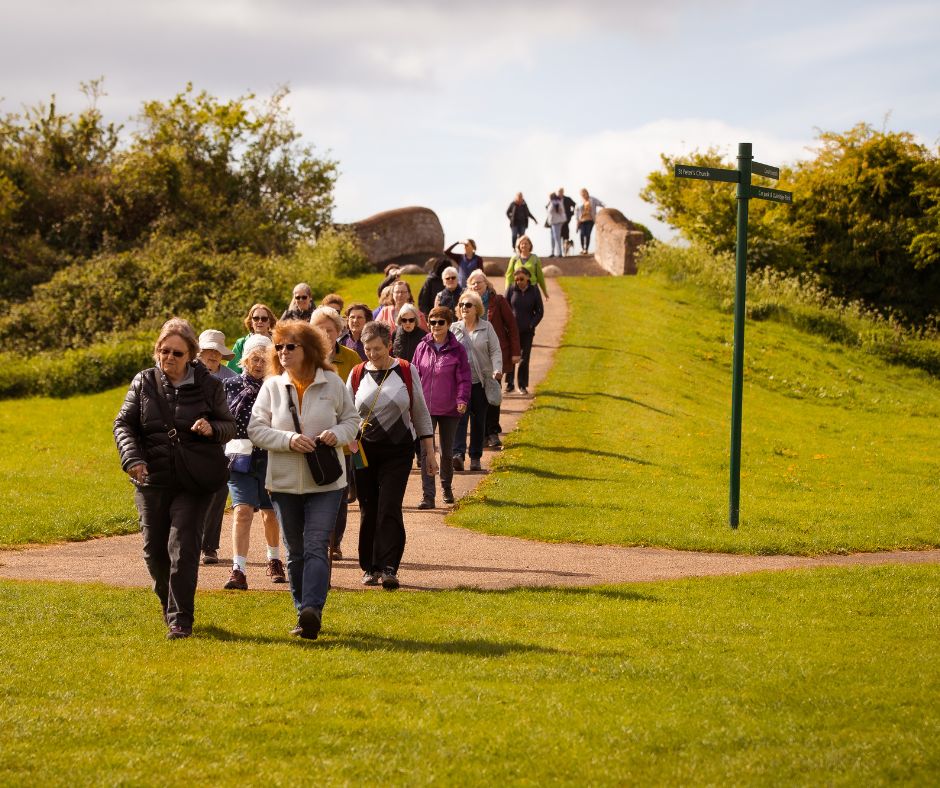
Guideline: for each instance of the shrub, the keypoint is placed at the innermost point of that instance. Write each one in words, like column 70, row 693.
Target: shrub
column 802, row 302
column 106, row 314
column 73, row 372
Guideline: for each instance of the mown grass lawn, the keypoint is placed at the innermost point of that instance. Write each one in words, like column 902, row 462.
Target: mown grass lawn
column 812, row 677
column 62, row 476
column 627, row 440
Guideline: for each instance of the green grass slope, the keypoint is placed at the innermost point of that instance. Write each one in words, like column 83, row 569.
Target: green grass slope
column 627, row 441
column 61, row 471
column 820, row 677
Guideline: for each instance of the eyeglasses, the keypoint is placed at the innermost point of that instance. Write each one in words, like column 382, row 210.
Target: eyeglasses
column 407, row 320
column 449, row 278
column 286, row 346
column 466, row 305
column 437, row 322
column 260, row 318
column 165, row 351
column 301, row 297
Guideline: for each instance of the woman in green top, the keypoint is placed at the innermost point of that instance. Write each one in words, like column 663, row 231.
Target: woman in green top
column 259, row 320
column 525, row 259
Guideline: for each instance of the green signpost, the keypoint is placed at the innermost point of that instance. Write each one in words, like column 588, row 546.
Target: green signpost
column 741, row 176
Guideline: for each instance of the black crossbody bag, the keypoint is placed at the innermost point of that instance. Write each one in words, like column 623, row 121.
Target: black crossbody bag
column 323, row 463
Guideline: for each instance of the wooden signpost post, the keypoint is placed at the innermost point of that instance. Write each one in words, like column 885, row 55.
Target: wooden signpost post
column 742, row 177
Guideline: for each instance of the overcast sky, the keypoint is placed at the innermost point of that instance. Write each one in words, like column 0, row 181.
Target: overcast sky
column 458, row 106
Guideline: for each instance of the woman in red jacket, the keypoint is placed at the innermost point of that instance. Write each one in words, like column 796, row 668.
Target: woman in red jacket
column 500, row 314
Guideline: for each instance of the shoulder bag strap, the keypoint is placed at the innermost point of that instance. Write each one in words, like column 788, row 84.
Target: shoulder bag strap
column 293, row 408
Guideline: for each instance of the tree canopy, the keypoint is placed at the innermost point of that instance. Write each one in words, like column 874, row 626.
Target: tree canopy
column 232, row 173
column 865, row 218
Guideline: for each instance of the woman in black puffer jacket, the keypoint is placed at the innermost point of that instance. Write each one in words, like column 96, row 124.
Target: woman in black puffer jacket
column 171, row 516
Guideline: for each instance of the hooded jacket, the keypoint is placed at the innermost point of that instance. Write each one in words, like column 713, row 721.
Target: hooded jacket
column 445, row 375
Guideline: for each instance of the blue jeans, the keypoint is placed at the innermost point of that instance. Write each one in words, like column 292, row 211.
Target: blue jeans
column 307, row 521
column 584, row 230
column 476, row 415
column 556, row 241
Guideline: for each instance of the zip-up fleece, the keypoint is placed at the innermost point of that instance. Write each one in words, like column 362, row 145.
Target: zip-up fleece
column 326, row 406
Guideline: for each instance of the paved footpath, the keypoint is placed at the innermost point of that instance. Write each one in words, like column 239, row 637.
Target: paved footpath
column 438, row 556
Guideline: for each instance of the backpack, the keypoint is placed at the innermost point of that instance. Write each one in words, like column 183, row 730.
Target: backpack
column 405, row 368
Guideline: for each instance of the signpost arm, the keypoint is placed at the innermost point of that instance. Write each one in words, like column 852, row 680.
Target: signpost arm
column 737, row 373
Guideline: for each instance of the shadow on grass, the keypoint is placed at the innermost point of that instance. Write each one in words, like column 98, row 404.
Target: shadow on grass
column 578, row 450
column 367, row 641
column 490, row 570
column 603, row 395
column 618, row 350
column 543, row 474
column 618, row 594
column 540, row 406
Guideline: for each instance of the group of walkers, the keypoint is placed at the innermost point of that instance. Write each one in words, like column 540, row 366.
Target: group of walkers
column 309, row 412
column 560, row 210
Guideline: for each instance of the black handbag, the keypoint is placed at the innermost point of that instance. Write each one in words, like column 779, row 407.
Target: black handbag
column 323, row 462
column 200, row 464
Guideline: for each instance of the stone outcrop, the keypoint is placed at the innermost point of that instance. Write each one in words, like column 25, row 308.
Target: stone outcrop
column 401, row 236
column 617, row 242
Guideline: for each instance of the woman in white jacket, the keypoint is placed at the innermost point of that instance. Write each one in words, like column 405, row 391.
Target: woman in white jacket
column 306, row 511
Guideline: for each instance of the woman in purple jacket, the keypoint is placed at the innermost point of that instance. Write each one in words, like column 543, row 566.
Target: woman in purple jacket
column 444, row 370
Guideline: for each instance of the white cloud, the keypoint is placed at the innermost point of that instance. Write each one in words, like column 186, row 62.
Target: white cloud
column 888, row 26
column 612, row 165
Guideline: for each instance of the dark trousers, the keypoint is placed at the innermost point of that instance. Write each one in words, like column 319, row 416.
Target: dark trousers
column 212, row 530
column 342, row 515
column 307, row 522
column 171, row 523
column 476, row 416
column 584, row 230
column 517, row 233
column 522, row 371
column 565, row 231
column 381, row 490
column 493, row 427
column 446, row 427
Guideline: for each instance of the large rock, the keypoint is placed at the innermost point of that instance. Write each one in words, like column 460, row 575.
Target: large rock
column 617, row 242
column 401, row 236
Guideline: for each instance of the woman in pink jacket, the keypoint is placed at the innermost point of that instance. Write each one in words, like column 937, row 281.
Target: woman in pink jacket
column 444, row 370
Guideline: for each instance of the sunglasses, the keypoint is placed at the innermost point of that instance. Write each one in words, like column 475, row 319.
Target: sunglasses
column 407, row 320
column 466, row 305
column 437, row 322
column 301, row 298
column 260, row 318
column 286, row 346
column 165, row 351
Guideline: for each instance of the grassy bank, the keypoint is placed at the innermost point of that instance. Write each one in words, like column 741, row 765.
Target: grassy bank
column 815, row 677
column 627, row 440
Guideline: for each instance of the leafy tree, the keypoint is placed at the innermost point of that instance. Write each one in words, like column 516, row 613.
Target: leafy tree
column 55, row 173
column 865, row 218
column 859, row 206
column 233, row 172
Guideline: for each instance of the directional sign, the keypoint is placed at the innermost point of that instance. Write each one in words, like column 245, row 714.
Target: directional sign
column 707, row 173
column 771, row 194
column 766, row 170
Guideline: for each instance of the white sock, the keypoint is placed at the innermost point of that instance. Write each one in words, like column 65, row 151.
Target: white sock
column 274, row 553
column 241, row 563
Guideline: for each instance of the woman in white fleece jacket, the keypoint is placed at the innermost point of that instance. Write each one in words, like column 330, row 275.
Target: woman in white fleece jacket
column 305, row 510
